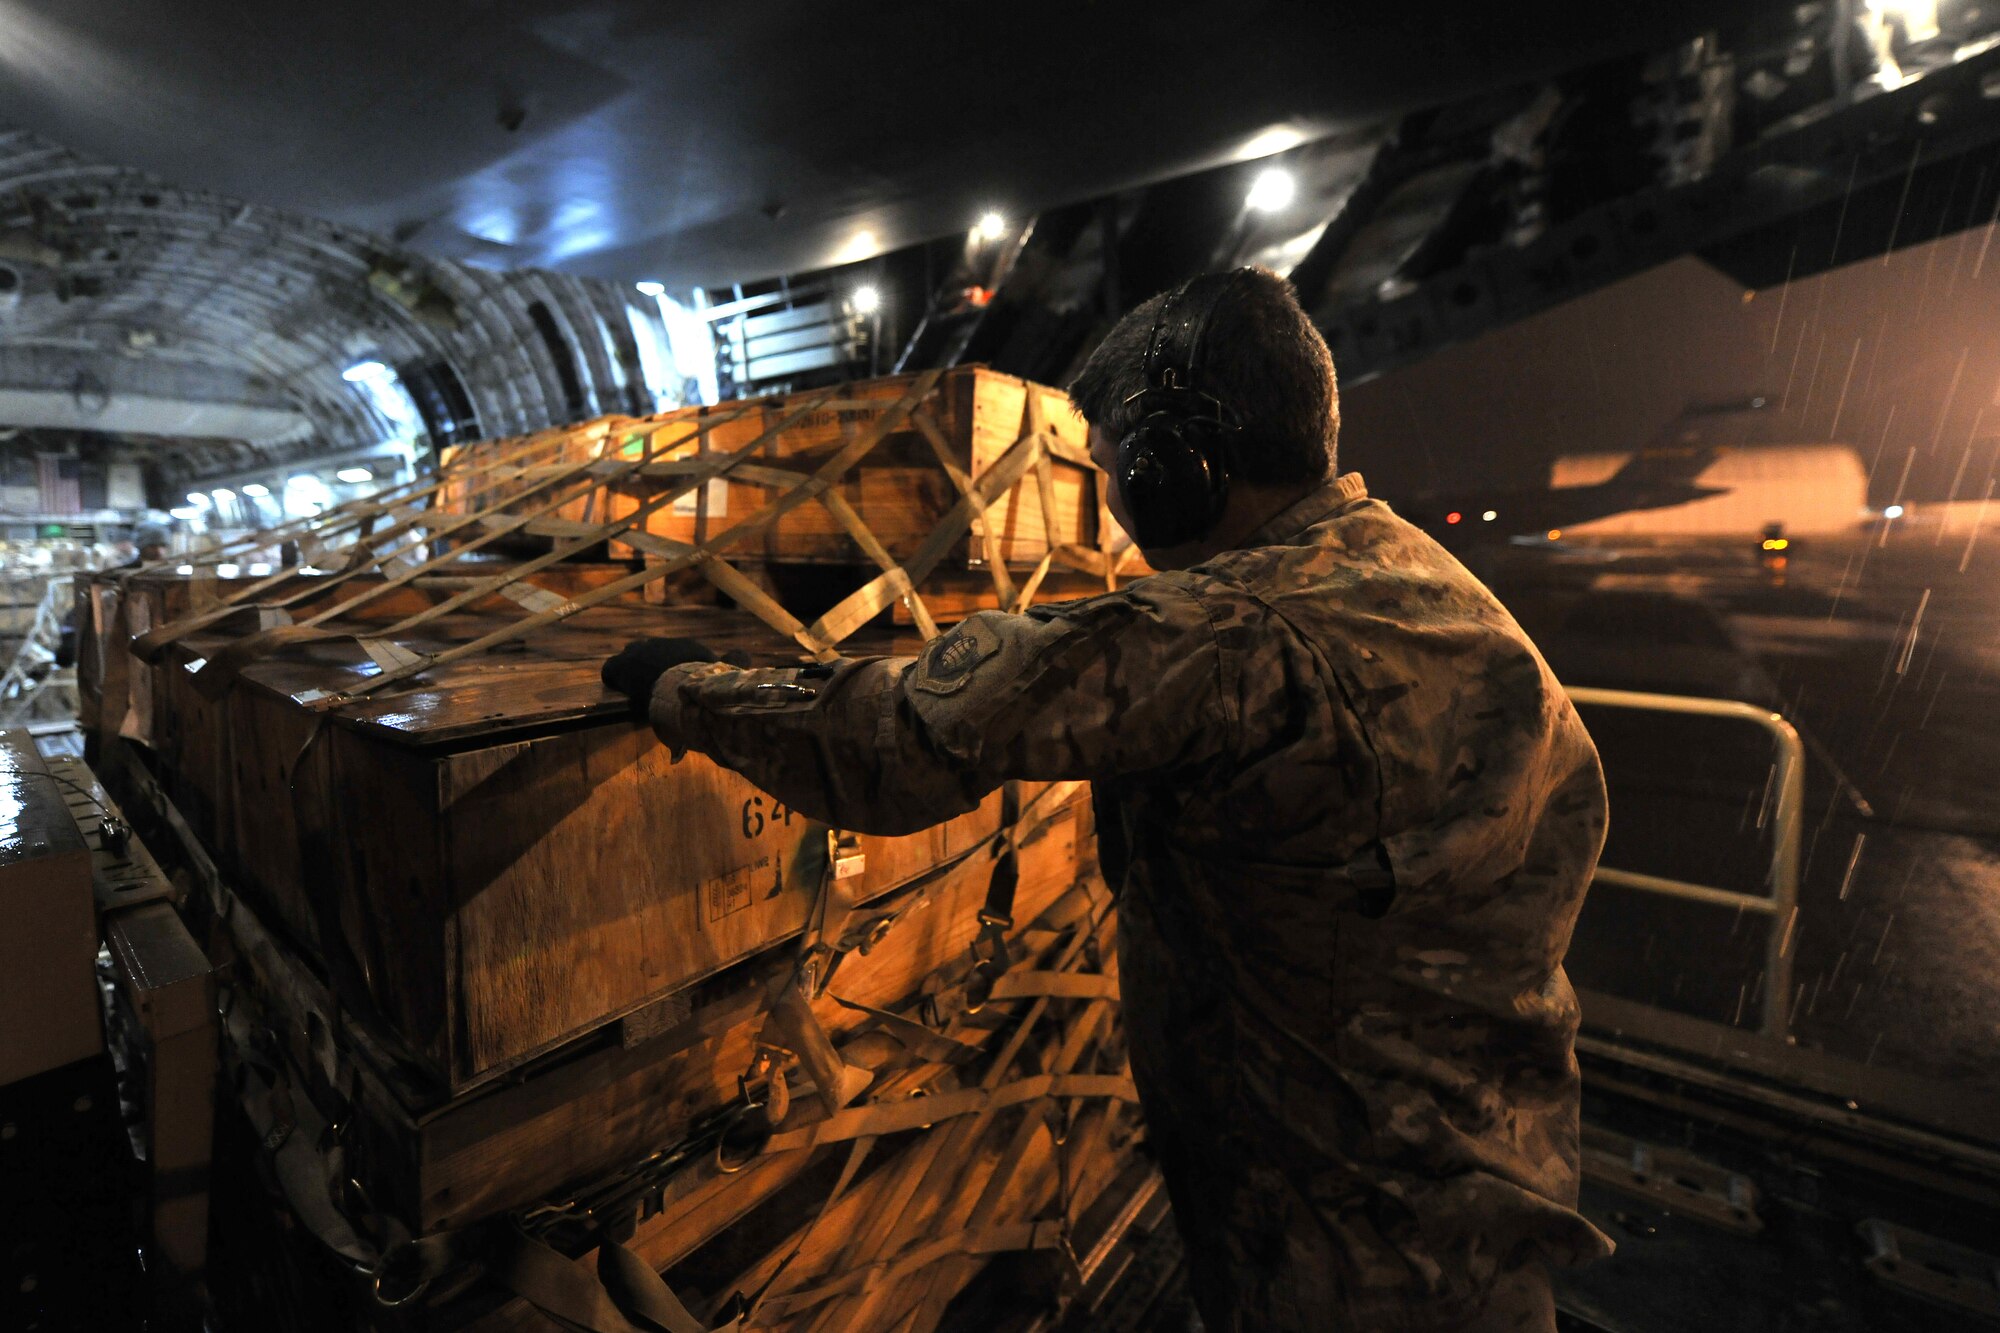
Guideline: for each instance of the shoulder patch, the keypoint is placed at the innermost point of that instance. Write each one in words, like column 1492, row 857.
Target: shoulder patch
column 949, row 660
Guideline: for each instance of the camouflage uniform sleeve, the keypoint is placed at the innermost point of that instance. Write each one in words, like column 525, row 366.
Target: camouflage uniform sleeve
column 1129, row 682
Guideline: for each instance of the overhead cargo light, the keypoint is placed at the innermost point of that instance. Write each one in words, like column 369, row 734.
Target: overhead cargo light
column 256, row 490
column 1893, row 511
column 1272, row 190
column 1266, row 142
column 306, row 495
column 651, row 288
column 866, row 300
column 223, row 495
column 1918, row 18
column 354, row 476
column 991, row 226
column 363, row 371
column 861, row 245
column 198, row 499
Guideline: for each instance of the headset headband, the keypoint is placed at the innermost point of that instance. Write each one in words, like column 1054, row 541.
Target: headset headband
column 1173, row 349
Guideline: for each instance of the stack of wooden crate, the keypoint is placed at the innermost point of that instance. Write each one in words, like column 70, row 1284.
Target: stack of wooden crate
column 512, row 989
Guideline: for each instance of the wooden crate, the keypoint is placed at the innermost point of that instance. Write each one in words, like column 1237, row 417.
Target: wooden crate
column 902, row 488
column 500, row 860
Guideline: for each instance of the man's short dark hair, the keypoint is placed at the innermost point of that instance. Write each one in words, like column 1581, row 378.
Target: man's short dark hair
column 1261, row 355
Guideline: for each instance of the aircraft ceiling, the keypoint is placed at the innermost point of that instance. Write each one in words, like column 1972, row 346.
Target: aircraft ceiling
column 710, row 143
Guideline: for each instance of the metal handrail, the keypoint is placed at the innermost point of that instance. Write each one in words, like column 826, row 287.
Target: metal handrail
column 1785, row 804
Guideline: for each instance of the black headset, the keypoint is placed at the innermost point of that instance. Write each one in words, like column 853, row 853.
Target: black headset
column 1174, row 462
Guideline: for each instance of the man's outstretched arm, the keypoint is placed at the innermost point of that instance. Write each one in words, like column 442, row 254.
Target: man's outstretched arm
column 1128, row 682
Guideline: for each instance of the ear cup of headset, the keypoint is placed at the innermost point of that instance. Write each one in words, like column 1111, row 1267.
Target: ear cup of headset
column 1173, row 477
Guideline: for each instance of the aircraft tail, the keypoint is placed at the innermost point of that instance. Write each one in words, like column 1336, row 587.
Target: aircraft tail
column 1666, row 464
column 1683, row 451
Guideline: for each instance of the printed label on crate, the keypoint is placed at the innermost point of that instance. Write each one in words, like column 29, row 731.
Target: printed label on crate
column 732, row 892
column 718, row 500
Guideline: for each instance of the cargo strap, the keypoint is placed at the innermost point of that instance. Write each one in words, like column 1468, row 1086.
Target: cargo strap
column 1055, row 985
column 308, row 536
column 996, row 915
column 626, row 1296
column 1034, row 448
column 791, row 1024
column 296, row 1136
column 919, row 1112
column 863, row 1126
column 1046, row 1234
column 933, row 1169
column 225, row 665
column 832, row 908
column 755, row 524
column 921, row 1041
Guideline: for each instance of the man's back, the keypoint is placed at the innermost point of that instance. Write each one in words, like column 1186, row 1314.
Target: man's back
column 1341, row 939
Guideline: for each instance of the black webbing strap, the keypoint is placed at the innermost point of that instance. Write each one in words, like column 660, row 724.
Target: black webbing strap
column 996, row 917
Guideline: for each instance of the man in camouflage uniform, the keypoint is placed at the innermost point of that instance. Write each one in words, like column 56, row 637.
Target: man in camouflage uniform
column 1350, row 816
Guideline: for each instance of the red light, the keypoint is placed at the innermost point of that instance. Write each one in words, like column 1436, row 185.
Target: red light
column 1453, row 517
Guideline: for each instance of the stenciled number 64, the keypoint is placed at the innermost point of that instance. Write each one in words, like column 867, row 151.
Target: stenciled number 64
column 753, row 815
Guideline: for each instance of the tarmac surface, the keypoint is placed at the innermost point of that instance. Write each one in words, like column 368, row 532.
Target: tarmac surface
column 1885, row 654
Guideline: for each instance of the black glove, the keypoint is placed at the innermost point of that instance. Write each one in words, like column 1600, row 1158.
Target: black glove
column 639, row 666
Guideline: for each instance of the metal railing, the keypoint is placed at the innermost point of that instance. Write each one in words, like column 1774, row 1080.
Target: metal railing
column 1784, row 808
